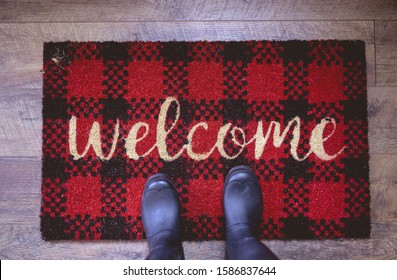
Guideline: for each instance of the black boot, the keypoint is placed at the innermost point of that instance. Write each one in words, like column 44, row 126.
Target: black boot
column 242, row 201
column 161, row 219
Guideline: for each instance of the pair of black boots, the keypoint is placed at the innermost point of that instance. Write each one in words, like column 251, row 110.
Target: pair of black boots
column 242, row 201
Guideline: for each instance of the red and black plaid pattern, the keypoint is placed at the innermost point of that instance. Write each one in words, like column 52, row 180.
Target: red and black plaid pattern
column 241, row 83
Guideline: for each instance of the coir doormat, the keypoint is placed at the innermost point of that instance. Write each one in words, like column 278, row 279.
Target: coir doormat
column 115, row 113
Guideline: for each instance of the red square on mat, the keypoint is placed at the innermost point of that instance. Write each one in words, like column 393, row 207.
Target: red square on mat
column 205, row 80
column 83, row 196
column 145, row 79
column 273, row 199
column 85, row 79
column 326, row 200
column 265, row 81
column 205, row 197
column 135, row 187
column 325, row 80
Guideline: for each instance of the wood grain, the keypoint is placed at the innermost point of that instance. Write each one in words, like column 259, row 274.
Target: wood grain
column 382, row 107
column 24, row 242
column 22, row 44
column 20, row 123
column 383, row 200
column 386, row 53
column 185, row 10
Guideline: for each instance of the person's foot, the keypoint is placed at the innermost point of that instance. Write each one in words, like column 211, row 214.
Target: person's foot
column 243, row 206
column 161, row 218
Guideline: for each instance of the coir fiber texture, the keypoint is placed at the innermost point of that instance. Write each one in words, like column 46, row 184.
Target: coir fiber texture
column 115, row 113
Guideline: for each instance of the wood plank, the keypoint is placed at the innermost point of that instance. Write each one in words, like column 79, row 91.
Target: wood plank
column 384, row 200
column 382, row 107
column 20, row 191
column 24, row 242
column 185, row 10
column 21, row 122
column 386, row 53
column 382, row 141
column 382, row 113
column 22, row 44
column 383, row 171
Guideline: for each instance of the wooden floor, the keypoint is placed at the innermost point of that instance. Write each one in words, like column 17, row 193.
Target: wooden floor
column 25, row 25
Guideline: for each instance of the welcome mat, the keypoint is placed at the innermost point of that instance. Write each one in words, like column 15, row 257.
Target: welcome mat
column 115, row 113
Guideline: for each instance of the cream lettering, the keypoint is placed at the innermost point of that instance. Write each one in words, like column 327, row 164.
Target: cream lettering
column 162, row 132
column 189, row 149
column 221, row 139
column 317, row 140
column 140, row 130
column 278, row 138
column 94, row 140
column 132, row 140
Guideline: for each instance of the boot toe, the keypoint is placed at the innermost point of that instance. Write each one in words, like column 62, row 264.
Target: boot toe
column 242, row 174
column 161, row 218
column 160, row 205
column 242, row 197
column 243, row 205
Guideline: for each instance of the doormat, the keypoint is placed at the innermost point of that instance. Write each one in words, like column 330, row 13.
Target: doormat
column 115, row 113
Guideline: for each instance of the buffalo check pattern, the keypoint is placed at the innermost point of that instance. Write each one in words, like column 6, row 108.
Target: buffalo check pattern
column 121, row 83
